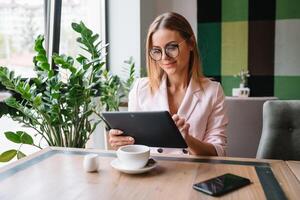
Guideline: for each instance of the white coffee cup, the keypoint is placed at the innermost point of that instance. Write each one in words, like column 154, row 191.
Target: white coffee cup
column 133, row 156
column 91, row 163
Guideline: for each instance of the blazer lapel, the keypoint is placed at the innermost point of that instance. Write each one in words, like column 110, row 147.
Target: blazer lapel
column 161, row 96
column 190, row 100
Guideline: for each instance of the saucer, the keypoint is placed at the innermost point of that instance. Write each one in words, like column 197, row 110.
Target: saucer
column 116, row 164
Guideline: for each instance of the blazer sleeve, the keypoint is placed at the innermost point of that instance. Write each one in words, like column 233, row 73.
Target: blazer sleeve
column 217, row 123
column 133, row 102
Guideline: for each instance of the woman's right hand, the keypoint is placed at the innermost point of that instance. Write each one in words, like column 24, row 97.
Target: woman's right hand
column 116, row 140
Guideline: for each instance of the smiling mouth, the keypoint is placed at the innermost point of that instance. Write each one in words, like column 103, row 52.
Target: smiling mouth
column 168, row 64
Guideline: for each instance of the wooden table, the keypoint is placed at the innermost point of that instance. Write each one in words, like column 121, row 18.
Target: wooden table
column 295, row 168
column 57, row 173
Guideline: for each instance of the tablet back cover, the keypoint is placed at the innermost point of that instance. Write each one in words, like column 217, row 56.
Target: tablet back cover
column 154, row 129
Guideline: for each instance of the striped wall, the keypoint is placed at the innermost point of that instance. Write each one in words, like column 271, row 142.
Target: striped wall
column 261, row 36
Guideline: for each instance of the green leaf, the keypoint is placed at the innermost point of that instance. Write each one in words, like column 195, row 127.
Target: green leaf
column 94, row 38
column 41, row 58
column 8, row 155
column 13, row 137
column 20, row 155
column 39, row 43
column 81, row 59
column 37, row 101
column 45, row 66
column 76, row 27
column 25, row 138
column 50, row 73
column 55, row 95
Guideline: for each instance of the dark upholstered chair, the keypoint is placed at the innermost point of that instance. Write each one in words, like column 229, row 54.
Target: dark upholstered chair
column 280, row 137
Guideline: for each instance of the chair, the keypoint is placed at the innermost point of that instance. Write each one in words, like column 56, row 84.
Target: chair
column 245, row 125
column 280, row 137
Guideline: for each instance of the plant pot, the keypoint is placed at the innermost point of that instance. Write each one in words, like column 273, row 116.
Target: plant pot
column 241, row 92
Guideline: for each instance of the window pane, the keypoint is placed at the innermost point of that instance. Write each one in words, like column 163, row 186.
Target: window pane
column 90, row 12
column 20, row 23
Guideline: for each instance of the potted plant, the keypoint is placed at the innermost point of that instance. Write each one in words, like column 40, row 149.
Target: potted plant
column 60, row 109
column 243, row 90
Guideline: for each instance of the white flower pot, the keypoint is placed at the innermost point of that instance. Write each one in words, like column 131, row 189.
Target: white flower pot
column 241, row 92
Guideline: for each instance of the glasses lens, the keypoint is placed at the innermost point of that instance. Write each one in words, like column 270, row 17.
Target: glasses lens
column 172, row 50
column 155, row 54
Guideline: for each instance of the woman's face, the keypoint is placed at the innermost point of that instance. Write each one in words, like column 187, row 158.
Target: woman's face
column 174, row 51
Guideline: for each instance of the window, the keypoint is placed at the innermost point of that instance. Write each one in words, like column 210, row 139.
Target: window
column 20, row 22
column 90, row 12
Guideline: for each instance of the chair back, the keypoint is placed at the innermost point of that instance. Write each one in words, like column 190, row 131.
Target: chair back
column 280, row 137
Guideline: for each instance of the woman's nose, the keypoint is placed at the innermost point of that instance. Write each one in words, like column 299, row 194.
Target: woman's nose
column 164, row 56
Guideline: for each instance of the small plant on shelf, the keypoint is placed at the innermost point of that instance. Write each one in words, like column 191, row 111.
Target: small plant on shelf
column 243, row 76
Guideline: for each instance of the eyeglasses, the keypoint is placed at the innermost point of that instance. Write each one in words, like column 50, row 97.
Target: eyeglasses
column 171, row 50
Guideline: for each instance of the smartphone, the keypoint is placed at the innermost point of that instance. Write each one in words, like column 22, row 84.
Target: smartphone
column 221, row 184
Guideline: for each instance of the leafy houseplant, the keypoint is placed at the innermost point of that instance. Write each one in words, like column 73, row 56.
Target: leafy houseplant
column 59, row 109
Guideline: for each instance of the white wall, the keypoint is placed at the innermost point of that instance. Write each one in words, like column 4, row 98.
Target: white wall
column 123, row 32
column 187, row 8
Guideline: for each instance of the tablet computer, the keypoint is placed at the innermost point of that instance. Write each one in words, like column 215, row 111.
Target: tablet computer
column 154, row 129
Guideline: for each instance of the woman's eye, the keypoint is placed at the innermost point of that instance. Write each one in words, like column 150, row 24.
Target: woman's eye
column 155, row 51
column 171, row 47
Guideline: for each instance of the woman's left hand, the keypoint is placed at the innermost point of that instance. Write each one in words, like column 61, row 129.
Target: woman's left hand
column 181, row 125
column 195, row 146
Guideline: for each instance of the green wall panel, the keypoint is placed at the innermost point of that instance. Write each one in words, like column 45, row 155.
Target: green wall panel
column 261, row 36
column 287, row 87
column 229, row 82
column 209, row 41
column 234, row 10
column 234, row 47
column 287, row 9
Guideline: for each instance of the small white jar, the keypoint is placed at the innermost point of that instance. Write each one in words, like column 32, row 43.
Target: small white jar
column 91, row 163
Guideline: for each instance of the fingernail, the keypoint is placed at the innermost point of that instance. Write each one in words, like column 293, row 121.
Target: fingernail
column 120, row 132
column 130, row 139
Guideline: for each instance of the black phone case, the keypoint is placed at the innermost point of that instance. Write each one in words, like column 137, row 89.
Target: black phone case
column 238, row 184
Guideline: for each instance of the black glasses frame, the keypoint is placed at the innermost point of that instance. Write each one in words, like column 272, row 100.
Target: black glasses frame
column 165, row 49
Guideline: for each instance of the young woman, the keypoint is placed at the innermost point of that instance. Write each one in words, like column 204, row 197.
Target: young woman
column 175, row 83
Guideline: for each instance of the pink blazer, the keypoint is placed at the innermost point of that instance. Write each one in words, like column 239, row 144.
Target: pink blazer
column 204, row 110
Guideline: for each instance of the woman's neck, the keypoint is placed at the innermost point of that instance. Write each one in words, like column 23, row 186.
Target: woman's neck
column 177, row 82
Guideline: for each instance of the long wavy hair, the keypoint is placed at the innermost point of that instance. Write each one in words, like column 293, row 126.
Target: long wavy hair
column 175, row 22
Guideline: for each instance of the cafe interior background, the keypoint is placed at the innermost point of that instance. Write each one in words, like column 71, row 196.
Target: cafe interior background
column 261, row 37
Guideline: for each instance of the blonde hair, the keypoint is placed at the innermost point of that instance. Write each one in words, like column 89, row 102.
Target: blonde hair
column 175, row 22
